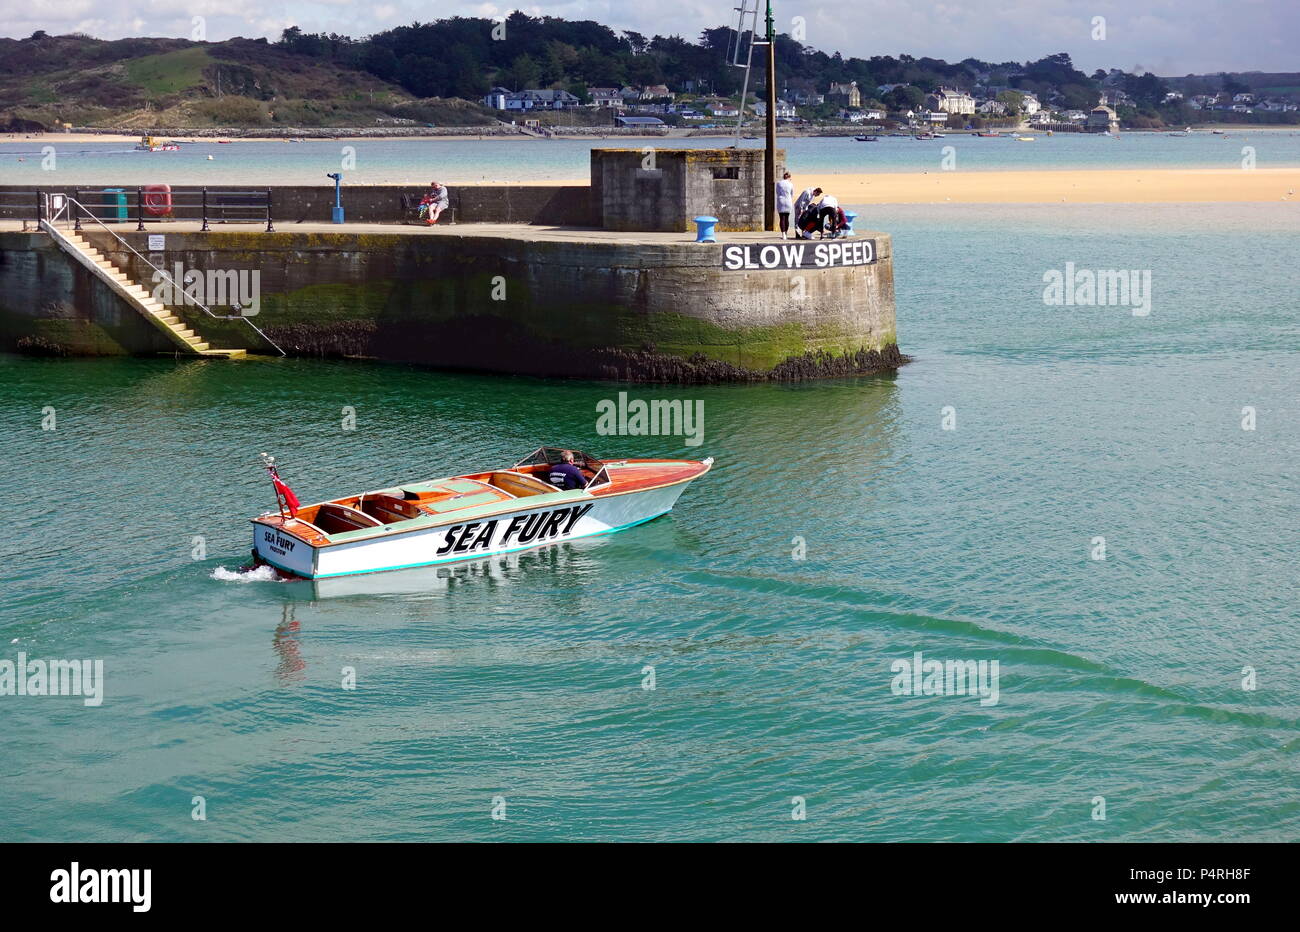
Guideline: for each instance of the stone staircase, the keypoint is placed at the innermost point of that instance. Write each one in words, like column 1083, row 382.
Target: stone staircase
column 182, row 337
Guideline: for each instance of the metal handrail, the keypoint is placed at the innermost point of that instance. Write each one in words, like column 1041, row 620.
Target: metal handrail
column 166, row 275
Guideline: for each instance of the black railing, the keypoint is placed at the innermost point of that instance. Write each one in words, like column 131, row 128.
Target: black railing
column 143, row 205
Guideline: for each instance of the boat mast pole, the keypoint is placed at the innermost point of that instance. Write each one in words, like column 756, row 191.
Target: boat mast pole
column 769, row 157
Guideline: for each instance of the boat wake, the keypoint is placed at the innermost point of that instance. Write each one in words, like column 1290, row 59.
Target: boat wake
column 246, row 574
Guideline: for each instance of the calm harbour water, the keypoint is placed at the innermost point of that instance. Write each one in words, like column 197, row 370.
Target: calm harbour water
column 1119, row 678
column 415, row 161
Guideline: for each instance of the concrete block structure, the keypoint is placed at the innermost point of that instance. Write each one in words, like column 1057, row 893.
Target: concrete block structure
column 663, row 190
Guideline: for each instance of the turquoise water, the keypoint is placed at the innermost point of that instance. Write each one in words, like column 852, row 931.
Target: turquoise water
column 1119, row 678
column 416, row 161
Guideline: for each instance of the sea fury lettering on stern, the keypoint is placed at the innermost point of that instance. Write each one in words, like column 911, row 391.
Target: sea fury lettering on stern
column 87, row 885
column 920, row 677
column 534, row 527
column 1099, row 288
column 278, row 542
column 737, row 257
column 53, row 678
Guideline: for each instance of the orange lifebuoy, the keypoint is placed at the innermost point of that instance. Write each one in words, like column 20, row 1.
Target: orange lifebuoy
column 158, row 199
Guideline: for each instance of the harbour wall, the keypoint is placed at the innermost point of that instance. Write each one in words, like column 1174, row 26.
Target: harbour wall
column 592, row 307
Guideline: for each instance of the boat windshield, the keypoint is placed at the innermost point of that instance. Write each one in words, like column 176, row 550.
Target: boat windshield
column 549, row 456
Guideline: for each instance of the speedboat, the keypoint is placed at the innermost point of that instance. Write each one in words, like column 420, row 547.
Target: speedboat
column 864, row 139
column 464, row 517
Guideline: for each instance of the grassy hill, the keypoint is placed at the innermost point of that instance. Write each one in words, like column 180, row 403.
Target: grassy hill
column 175, row 83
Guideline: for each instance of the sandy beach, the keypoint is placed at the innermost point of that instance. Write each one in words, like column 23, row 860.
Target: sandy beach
column 1112, row 186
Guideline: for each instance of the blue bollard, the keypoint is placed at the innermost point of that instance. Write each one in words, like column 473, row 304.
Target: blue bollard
column 706, row 225
column 849, row 217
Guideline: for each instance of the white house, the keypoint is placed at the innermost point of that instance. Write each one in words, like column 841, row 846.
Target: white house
column 501, row 99
column 784, row 109
column 950, row 101
column 605, row 97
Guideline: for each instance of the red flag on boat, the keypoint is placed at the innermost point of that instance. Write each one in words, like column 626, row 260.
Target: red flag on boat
column 290, row 500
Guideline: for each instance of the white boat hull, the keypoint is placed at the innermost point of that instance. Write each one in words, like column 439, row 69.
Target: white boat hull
column 467, row 539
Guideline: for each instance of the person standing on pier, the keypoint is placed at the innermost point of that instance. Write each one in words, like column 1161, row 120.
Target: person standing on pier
column 784, row 202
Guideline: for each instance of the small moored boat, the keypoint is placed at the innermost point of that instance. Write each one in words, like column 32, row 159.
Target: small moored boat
column 464, row 517
column 149, row 144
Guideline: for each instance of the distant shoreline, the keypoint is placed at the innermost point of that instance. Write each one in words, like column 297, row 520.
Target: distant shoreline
column 507, row 134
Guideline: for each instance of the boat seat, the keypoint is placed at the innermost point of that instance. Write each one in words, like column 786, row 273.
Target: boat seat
column 443, row 485
column 462, row 501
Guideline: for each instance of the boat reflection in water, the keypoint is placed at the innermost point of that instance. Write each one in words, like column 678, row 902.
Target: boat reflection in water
column 499, row 569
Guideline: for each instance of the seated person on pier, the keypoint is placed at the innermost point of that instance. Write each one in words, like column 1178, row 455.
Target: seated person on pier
column 564, row 475
column 437, row 200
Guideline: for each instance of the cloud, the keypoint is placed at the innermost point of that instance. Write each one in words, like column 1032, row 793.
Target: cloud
column 1170, row 37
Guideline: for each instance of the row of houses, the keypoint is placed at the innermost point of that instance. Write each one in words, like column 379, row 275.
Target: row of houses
column 500, row 98
column 1237, row 103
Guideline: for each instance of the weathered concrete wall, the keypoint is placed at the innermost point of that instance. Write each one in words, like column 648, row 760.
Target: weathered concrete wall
column 556, row 205
column 588, row 308
column 51, row 304
column 666, row 189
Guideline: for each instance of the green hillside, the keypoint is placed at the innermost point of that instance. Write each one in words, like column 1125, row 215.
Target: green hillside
column 140, row 83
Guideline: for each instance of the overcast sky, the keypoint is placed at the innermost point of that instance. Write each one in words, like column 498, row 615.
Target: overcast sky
column 1169, row 37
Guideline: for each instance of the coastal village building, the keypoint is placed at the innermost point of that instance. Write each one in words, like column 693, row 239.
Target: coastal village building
column 1029, row 105
column 604, row 97
column 501, row 99
column 946, row 100
column 1102, row 119
column 846, row 95
column 784, row 109
column 639, row 122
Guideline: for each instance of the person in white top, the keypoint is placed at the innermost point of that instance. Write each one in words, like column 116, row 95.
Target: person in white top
column 784, row 202
column 829, row 207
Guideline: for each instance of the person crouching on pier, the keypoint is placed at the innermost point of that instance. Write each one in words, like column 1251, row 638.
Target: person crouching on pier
column 829, row 210
column 785, row 202
column 437, row 199
column 801, row 207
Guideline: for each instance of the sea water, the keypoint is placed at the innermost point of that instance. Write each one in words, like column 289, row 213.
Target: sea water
column 1146, row 684
column 49, row 162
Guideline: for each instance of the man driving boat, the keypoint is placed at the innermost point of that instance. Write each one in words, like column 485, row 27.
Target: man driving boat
column 564, row 475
